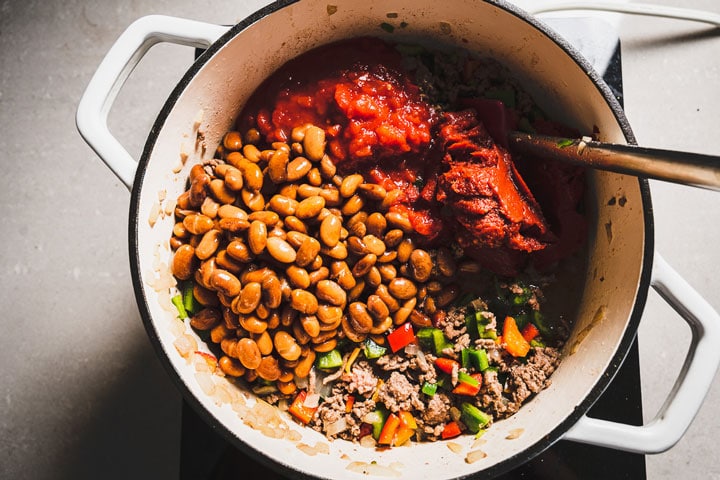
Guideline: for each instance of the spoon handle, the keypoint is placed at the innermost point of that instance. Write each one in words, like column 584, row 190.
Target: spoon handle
column 686, row 168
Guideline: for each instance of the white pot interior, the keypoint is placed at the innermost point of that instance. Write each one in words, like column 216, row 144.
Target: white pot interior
column 212, row 98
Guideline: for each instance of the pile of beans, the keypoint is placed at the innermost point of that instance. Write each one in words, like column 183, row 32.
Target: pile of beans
column 287, row 257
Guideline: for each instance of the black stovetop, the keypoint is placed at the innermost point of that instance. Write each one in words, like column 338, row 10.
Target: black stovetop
column 205, row 455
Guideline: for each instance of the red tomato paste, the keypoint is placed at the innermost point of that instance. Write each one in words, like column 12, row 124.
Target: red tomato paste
column 456, row 182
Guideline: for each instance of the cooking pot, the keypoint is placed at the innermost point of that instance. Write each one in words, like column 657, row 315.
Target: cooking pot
column 622, row 264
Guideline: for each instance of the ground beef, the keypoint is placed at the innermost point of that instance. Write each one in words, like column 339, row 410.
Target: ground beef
column 393, row 362
column 533, row 376
column 438, row 410
column 361, row 378
column 397, row 393
column 522, row 380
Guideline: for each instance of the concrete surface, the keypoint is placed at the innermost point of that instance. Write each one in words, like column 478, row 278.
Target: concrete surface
column 83, row 395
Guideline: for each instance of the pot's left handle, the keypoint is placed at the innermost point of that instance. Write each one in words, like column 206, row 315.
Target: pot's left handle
column 121, row 59
column 693, row 383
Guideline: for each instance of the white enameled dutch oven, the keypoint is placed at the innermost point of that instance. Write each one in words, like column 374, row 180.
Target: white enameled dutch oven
column 622, row 265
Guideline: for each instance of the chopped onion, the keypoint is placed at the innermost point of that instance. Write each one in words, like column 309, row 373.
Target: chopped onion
column 319, row 386
column 515, row 433
column 205, row 381
column 414, row 349
column 368, row 441
column 312, row 400
column 374, row 469
column 371, row 417
column 301, row 383
column 454, row 447
column 336, row 427
column 474, row 456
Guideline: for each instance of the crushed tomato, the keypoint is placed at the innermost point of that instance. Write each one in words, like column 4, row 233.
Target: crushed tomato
column 456, row 180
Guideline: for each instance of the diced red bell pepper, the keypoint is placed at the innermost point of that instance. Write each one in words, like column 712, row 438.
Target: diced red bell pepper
column 530, row 332
column 468, row 384
column 407, row 419
column 403, row 434
column 401, row 337
column 388, row 431
column 515, row 344
column 349, row 403
column 298, row 409
column 446, row 364
column 451, row 430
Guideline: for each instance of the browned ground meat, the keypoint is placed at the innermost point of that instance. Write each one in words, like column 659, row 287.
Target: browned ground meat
column 397, row 393
column 361, row 378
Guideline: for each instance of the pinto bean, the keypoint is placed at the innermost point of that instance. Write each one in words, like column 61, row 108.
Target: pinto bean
column 277, row 166
column 374, row 245
column 184, row 262
column 330, row 292
column 281, row 250
column 298, row 168
column 307, row 360
column 304, row 301
column 310, row 324
column 286, row 345
column 402, row 288
column 264, row 342
column 238, row 250
column 360, row 319
column 420, row 265
column 252, row 324
column 257, row 237
column 224, row 282
column 283, row 205
column 269, row 368
column 231, row 366
column 206, row 319
column 384, row 294
column 376, row 224
column 310, row 207
column 329, row 314
column 377, row 307
column 221, row 192
column 248, row 298
column 314, row 143
column 318, row 275
column 308, row 250
column 198, row 224
column 208, row 245
column 364, row 265
column 330, row 230
column 350, row 184
column 298, row 276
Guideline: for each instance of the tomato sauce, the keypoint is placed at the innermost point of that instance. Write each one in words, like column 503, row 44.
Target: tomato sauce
column 456, row 182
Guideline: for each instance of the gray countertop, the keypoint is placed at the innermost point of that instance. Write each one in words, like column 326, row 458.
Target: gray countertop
column 83, row 395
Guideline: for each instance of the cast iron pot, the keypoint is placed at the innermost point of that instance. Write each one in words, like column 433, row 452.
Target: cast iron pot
column 622, row 264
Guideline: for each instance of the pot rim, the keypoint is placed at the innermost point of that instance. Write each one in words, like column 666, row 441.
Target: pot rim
column 508, row 463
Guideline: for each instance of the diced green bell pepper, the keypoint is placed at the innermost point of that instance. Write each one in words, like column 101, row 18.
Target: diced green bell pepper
column 378, row 424
column 475, row 359
column 189, row 301
column 433, row 338
column 473, row 418
column 373, row 350
column 177, row 300
column 429, row 389
column 465, row 378
column 329, row 360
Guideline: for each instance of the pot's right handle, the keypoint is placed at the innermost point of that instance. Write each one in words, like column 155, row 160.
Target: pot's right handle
column 693, row 383
column 121, row 59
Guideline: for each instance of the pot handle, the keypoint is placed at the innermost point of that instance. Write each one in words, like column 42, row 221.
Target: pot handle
column 693, row 383
column 119, row 62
